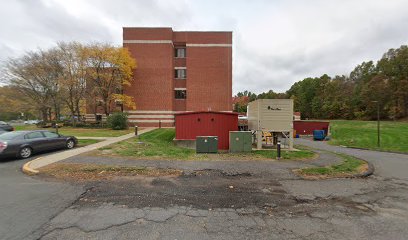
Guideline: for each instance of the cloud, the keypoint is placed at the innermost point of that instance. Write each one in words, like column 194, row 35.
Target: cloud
column 276, row 43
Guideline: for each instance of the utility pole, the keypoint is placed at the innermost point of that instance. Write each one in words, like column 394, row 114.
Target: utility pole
column 378, row 123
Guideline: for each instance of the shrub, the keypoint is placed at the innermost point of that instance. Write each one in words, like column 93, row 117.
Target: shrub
column 117, row 121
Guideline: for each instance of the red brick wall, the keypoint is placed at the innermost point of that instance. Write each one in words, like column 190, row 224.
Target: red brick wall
column 209, row 70
column 209, row 78
column 152, row 87
column 147, row 33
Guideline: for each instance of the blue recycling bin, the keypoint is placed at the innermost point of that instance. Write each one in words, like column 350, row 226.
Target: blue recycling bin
column 318, row 135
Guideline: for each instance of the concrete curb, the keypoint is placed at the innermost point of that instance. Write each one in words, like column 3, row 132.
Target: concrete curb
column 369, row 172
column 28, row 170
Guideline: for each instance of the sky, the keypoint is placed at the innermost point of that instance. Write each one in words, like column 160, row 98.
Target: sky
column 275, row 43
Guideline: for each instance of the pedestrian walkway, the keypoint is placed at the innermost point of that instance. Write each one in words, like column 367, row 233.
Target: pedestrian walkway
column 37, row 163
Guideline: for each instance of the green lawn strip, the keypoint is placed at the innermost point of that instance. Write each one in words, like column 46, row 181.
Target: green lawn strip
column 349, row 166
column 81, row 132
column 154, row 144
column 158, row 144
column 85, row 142
column 363, row 134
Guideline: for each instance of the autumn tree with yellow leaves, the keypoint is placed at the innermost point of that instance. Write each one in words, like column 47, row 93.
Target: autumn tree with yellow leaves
column 70, row 75
column 109, row 70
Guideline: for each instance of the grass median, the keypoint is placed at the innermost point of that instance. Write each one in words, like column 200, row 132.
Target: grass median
column 86, row 142
column 348, row 168
column 89, row 172
column 158, row 144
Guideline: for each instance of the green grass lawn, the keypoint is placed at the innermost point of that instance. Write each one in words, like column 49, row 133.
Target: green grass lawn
column 81, row 132
column 158, row 144
column 350, row 165
column 363, row 134
column 85, row 142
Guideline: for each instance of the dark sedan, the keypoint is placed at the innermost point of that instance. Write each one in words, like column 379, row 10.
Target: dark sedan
column 25, row 143
column 5, row 126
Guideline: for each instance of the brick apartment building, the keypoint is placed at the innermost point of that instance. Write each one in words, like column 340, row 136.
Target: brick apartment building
column 178, row 72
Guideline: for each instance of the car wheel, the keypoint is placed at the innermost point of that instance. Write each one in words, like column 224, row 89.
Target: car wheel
column 25, row 152
column 70, row 144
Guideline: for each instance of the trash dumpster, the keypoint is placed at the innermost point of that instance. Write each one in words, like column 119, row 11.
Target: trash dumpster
column 319, row 135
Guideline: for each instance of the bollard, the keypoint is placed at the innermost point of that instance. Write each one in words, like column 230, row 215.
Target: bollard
column 56, row 128
column 135, row 130
column 278, row 150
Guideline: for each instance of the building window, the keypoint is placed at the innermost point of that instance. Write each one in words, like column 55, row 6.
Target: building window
column 180, row 73
column 180, row 52
column 180, row 94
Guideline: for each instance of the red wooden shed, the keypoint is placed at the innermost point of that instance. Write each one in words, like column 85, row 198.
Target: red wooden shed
column 189, row 125
column 307, row 127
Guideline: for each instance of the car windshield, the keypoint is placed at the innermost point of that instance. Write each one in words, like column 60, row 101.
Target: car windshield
column 9, row 135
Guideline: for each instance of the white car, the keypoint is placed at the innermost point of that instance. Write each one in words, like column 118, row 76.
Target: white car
column 31, row 122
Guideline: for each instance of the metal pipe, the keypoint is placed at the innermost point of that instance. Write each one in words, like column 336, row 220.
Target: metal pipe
column 278, row 150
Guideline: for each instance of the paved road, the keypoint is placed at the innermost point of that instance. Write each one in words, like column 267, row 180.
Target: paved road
column 27, row 203
column 387, row 165
column 268, row 203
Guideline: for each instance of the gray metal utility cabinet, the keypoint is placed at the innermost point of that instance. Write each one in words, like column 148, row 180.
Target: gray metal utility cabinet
column 240, row 141
column 206, row 144
column 271, row 115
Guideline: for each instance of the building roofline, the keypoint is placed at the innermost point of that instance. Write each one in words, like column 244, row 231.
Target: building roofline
column 150, row 27
column 177, row 31
column 198, row 112
column 203, row 31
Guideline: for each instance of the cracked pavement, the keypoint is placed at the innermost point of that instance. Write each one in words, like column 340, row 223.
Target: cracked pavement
column 235, row 200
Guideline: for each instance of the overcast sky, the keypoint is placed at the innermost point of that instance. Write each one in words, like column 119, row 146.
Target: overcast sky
column 275, row 43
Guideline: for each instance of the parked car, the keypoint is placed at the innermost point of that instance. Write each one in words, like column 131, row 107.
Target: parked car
column 5, row 126
column 25, row 143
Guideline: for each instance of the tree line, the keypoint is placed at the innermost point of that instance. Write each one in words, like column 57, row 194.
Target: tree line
column 67, row 79
column 370, row 85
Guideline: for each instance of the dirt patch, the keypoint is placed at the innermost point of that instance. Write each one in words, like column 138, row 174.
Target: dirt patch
column 92, row 172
